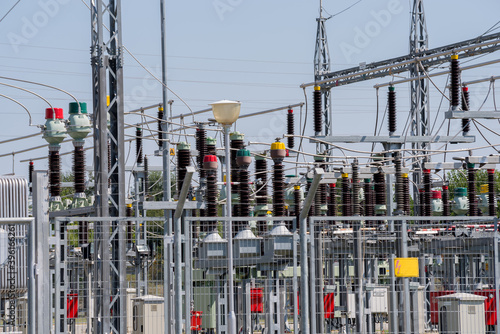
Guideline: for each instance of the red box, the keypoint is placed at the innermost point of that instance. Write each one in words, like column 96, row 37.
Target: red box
column 490, row 306
column 328, row 305
column 434, row 304
column 256, row 300
column 196, row 320
column 72, row 305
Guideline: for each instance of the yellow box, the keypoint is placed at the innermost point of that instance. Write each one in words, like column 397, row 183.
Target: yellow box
column 406, row 266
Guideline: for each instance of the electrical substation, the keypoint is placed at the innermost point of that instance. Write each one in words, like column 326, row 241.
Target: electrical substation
column 309, row 234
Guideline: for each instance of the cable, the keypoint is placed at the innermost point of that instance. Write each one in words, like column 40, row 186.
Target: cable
column 44, row 85
column 22, row 105
column 10, row 10
column 28, row 91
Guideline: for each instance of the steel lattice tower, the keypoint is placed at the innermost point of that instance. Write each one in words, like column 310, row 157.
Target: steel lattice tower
column 107, row 76
column 322, row 66
column 419, row 89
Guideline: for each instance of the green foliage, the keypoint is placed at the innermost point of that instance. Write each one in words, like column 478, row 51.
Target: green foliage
column 458, row 178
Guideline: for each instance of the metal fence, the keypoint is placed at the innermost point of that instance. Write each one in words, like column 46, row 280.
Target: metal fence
column 321, row 275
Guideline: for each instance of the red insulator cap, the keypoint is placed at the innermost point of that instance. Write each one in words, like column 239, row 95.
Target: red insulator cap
column 32, row 163
column 491, row 171
column 287, row 153
column 332, row 185
column 210, row 158
column 54, row 113
column 436, row 194
column 420, row 190
column 290, row 111
column 427, row 171
column 445, row 187
column 465, row 89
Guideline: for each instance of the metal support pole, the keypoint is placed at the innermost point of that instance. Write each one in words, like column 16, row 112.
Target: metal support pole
column 393, row 316
column 406, row 282
column 178, row 249
column 304, row 270
column 358, row 277
column 497, row 272
column 42, row 322
column 229, row 235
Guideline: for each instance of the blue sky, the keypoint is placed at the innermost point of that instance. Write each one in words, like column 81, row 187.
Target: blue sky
column 258, row 52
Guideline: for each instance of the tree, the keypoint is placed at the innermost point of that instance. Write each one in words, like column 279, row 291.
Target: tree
column 458, row 178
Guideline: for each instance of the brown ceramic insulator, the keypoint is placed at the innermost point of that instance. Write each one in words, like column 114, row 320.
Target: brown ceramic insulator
column 79, row 169
column 55, row 173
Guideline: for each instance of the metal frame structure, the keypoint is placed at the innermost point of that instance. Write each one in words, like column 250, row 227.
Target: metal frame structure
column 107, row 74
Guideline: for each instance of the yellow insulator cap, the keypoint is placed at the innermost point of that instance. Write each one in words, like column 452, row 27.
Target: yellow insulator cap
column 129, row 205
column 296, row 187
column 317, row 88
column 345, row 175
column 160, row 108
column 107, row 100
column 278, row 146
column 404, row 175
column 224, row 178
column 454, row 57
column 483, row 188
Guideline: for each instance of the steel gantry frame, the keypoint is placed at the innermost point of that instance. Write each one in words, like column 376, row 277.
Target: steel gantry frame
column 419, row 89
column 107, row 76
column 432, row 57
column 322, row 67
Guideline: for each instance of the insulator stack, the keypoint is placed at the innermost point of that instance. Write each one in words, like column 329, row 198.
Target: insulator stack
column 54, row 172
column 183, row 161
column 346, row 196
column 236, row 139
column 211, row 142
column 379, row 186
column 391, row 110
column 210, row 165
column 426, row 205
column 406, row 194
column 491, row 192
column 332, row 204
column 31, row 168
column 146, row 177
column 455, row 82
column 355, row 189
column 201, row 147
column 317, row 203
column 296, row 203
column 79, row 168
column 290, row 128
column 278, row 153
column 471, row 187
column 129, row 213
column 160, row 128
column 446, row 201
column 243, row 160
column 399, row 184
column 317, row 109
column 278, row 191
column 369, row 207
column 138, row 145
column 321, row 195
column 465, row 107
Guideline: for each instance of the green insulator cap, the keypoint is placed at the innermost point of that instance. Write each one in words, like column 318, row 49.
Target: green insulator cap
column 211, row 141
column 138, row 128
column 236, row 136
column 460, row 192
column 73, row 107
column 469, row 165
column 368, row 180
column 391, row 89
column 243, row 153
column 183, row 146
column 290, row 175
